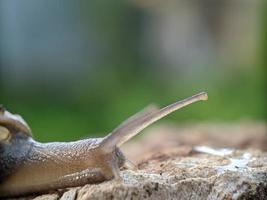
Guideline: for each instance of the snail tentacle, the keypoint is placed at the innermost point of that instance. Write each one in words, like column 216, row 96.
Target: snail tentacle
column 132, row 127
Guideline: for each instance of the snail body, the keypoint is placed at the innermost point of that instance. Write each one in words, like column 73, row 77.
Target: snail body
column 27, row 166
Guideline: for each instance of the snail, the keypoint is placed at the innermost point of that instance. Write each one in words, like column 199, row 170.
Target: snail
column 27, row 166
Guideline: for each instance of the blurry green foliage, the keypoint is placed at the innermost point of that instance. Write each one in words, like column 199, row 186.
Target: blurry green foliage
column 102, row 103
column 104, row 97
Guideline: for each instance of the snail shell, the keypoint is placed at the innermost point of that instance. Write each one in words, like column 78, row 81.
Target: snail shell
column 27, row 166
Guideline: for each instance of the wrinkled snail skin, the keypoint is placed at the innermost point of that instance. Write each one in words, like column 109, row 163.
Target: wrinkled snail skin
column 48, row 166
column 27, row 166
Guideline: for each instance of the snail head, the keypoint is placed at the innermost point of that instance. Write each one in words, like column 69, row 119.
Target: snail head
column 13, row 122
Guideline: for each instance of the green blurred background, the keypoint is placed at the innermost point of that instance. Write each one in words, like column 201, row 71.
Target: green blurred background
column 77, row 69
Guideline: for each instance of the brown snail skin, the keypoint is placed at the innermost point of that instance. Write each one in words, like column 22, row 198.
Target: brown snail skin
column 27, row 166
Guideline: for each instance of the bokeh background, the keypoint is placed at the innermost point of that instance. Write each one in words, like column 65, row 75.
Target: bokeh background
column 76, row 69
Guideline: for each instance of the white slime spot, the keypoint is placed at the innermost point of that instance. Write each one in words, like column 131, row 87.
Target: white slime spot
column 216, row 152
column 236, row 164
